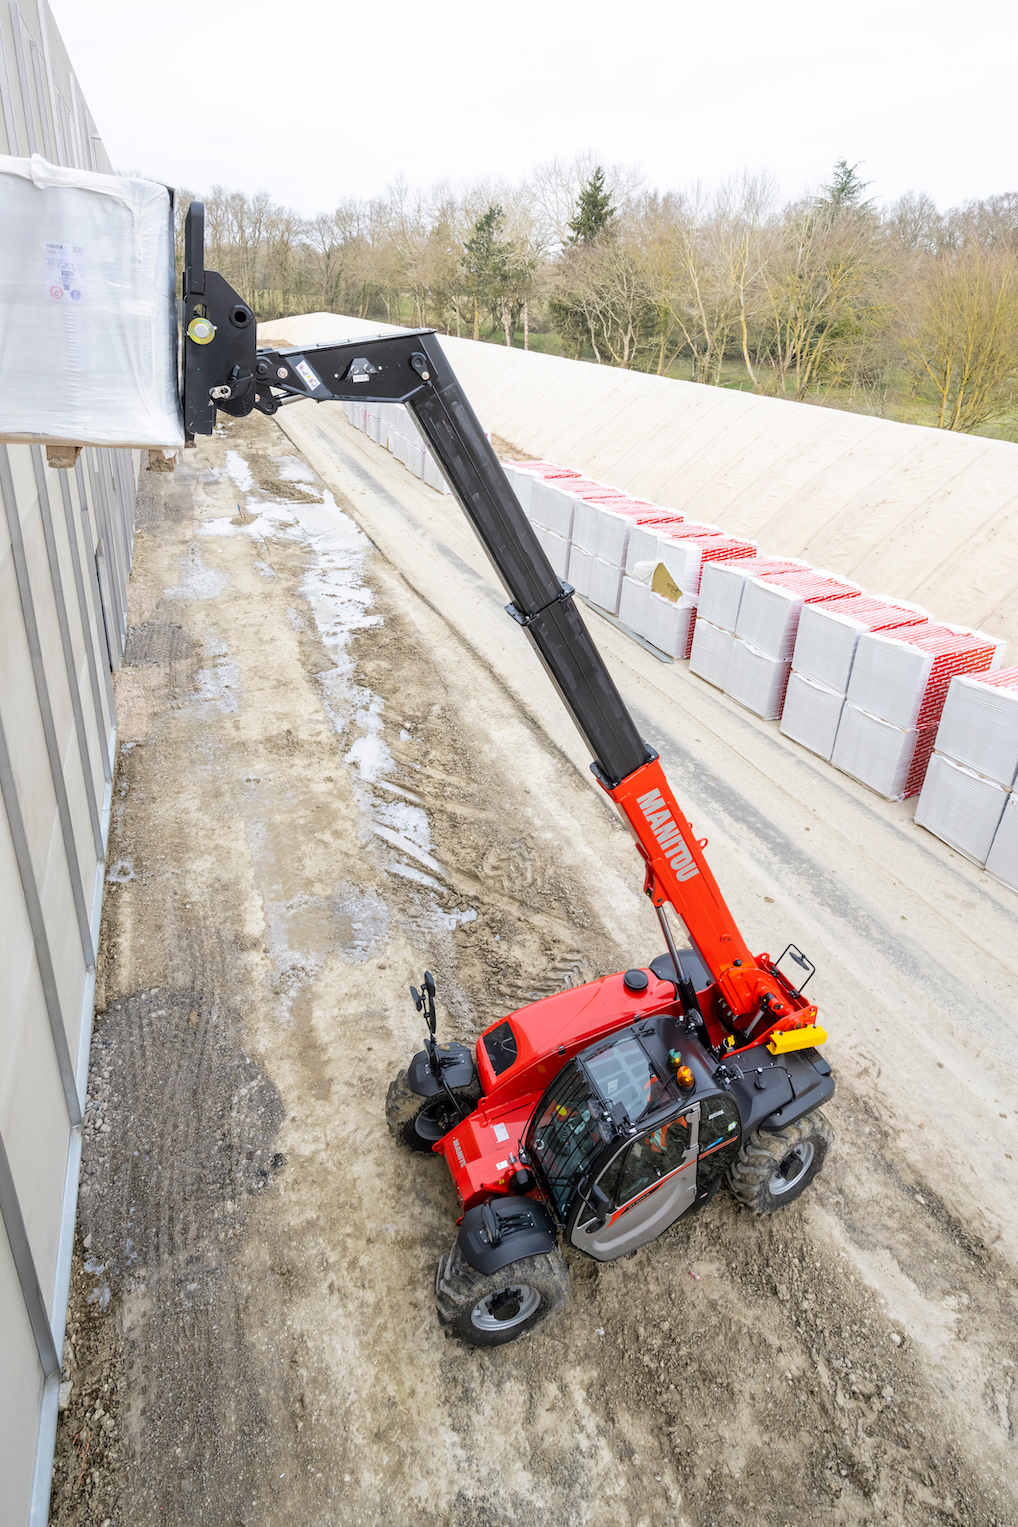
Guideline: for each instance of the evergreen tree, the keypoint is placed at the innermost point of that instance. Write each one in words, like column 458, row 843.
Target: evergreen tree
column 484, row 262
column 594, row 211
column 844, row 192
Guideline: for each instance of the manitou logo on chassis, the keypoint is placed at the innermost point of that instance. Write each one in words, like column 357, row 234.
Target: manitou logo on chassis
column 676, row 849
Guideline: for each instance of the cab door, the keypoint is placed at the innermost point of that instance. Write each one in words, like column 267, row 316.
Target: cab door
column 649, row 1184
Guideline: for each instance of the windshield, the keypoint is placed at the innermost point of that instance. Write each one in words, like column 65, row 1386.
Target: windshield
column 566, row 1135
column 624, row 1073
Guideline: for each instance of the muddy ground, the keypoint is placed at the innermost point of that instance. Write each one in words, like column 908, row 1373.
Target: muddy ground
column 322, row 788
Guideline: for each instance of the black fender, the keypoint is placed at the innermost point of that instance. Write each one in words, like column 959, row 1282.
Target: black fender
column 502, row 1230
column 457, row 1063
column 781, row 1088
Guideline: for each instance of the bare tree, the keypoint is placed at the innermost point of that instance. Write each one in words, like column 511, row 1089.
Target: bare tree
column 961, row 334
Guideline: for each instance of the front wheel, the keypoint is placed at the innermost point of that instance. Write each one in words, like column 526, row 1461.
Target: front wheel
column 416, row 1122
column 490, row 1309
column 774, row 1167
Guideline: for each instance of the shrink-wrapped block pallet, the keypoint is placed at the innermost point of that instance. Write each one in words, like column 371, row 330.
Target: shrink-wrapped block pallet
column 811, row 713
column 961, row 807
column 603, row 527
column 645, row 538
column 772, row 603
column 88, row 318
column 756, row 680
column 711, row 651
column 685, row 553
column 556, row 549
column 1002, row 860
column 524, row 475
column 722, row 584
column 829, row 633
column 903, row 676
column 596, row 580
column 979, row 724
column 667, row 624
column 890, row 759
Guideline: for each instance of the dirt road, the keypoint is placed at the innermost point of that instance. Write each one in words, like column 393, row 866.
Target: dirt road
column 339, row 764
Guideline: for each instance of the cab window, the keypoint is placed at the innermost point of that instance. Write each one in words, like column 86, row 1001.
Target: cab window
column 652, row 1157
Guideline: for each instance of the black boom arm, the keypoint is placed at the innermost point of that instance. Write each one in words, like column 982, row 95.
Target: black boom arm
column 224, row 369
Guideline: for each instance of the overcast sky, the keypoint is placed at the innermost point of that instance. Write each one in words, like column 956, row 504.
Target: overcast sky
column 318, row 100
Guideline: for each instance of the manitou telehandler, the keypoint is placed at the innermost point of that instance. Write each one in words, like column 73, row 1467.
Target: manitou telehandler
column 601, row 1114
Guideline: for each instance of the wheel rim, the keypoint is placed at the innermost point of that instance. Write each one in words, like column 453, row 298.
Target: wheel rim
column 505, row 1308
column 434, row 1121
column 793, row 1169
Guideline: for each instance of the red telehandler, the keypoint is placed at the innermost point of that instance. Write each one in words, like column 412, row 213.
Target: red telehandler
column 601, row 1114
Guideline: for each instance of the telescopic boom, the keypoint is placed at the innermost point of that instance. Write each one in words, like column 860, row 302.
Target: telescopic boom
column 223, row 369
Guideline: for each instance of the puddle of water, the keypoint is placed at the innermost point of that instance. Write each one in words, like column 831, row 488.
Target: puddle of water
column 218, row 684
column 340, row 599
column 197, row 581
column 292, row 470
column 238, row 469
column 120, row 872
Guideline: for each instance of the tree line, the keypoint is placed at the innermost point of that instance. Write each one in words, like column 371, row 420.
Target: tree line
column 903, row 311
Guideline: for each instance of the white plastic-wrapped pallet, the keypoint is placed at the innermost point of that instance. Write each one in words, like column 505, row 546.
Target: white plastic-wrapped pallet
column 581, row 565
column 1002, row 860
column 669, row 624
column 961, row 807
column 890, row 759
column 811, row 713
column 88, row 320
column 600, row 532
column 634, row 603
column 604, row 585
column 829, row 633
column 902, row 676
column 552, row 508
column 711, row 651
column 722, row 585
column 645, row 540
column 756, row 680
column 979, row 724
column 556, row 549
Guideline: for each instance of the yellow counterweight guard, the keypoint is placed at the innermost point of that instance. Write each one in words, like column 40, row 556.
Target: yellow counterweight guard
column 796, row 1039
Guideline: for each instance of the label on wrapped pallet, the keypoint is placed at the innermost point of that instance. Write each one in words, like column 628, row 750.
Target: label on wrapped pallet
column 664, row 584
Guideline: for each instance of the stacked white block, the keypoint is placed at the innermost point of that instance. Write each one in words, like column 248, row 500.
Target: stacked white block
column 711, row 651
column 1002, row 860
column 899, row 681
column 890, row 759
column 755, row 680
column 974, row 764
column 722, row 583
column 961, row 807
column 765, row 631
column 664, row 623
column 822, row 659
column 596, row 580
column 979, row 724
column 811, row 713
column 604, row 526
column 829, row 633
column 523, row 475
column 556, row 548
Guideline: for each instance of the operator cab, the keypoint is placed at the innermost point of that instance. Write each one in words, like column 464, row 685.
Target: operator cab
column 619, row 1147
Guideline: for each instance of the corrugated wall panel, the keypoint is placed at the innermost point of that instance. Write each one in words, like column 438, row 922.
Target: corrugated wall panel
column 66, row 540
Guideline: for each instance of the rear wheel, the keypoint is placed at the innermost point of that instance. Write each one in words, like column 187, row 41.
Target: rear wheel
column 417, row 1122
column 490, row 1309
column 773, row 1168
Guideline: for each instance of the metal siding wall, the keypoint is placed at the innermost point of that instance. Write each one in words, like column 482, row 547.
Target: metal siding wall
column 66, row 544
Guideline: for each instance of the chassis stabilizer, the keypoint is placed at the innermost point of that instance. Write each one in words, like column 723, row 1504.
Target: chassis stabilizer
column 503, row 1230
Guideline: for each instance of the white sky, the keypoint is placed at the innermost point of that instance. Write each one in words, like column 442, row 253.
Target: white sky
column 318, row 100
